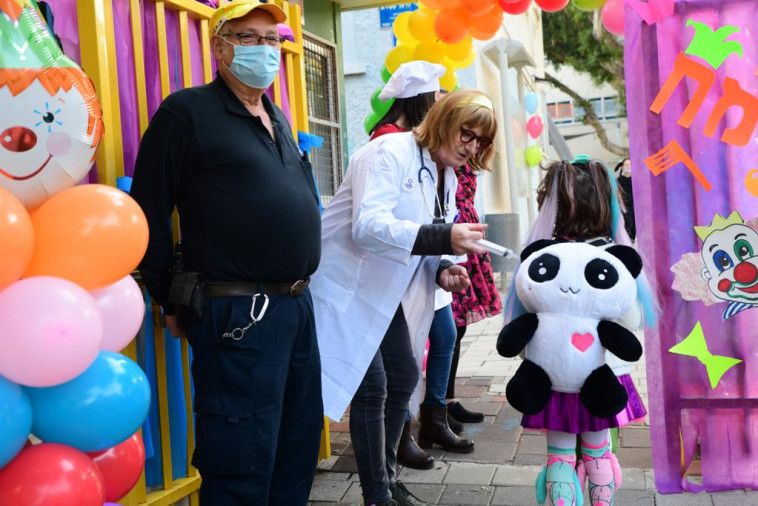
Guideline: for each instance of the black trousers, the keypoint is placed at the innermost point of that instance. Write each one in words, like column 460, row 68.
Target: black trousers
column 258, row 409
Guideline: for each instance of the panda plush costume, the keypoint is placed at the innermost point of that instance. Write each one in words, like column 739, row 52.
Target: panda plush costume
column 572, row 292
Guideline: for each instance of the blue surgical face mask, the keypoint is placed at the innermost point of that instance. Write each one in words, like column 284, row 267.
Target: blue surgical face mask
column 255, row 66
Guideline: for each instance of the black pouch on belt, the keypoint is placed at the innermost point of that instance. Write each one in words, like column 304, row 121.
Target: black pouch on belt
column 186, row 291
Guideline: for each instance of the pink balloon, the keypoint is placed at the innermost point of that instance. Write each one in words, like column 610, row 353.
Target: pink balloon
column 122, row 308
column 612, row 16
column 534, row 126
column 50, row 331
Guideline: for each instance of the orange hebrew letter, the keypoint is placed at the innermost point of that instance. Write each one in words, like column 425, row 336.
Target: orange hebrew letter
column 685, row 67
column 671, row 155
column 734, row 95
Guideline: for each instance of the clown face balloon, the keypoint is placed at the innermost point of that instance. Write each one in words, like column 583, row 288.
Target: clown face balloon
column 51, row 121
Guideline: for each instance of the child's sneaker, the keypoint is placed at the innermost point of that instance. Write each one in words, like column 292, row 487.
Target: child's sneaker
column 558, row 484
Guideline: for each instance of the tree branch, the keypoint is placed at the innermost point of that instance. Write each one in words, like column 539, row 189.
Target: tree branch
column 590, row 117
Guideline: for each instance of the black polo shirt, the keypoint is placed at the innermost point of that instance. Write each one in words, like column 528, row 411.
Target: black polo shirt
column 247, row 204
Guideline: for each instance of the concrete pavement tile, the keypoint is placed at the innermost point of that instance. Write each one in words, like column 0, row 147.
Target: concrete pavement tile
column 339, row 437
column 470, row 391
column 641, row 458
column 327, row 464
column 469, row 495
column 634, row 498
column 632, row 479
column 488, row 408
column 499, row 380
column 353, row 494
column 498, row 388
column 529, row 460
column 752, row 497
column 496, row 434
column 730, row 498
column 516, row 476
column 427, row 492
column 325, row 489
column 323, row 503
column 434, row 475
column 345, row 465
column 649, row 479
column 488, row 453
column 335, row 476
column 685, row 499
column 635, row 438
column 535, row 445
column 467, row 473
column 514, row 496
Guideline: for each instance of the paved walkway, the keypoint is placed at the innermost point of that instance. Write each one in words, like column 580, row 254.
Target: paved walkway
column 505, row 463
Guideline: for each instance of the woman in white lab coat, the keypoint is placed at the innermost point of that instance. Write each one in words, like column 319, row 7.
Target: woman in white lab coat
column 373, row 294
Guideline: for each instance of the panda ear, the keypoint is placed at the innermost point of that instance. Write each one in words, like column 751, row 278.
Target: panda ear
column 628, row 256
column 536, row 246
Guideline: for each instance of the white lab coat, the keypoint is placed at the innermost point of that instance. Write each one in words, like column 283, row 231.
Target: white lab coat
column 367, row 270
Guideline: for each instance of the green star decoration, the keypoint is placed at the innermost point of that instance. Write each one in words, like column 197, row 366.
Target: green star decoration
column 710, row 45
column 694, row 345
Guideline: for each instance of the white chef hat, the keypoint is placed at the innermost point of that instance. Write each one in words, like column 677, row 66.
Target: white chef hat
column 413, row 78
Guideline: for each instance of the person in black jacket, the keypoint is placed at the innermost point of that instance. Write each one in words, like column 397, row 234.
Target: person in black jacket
column 224, row 155
column 624, row 174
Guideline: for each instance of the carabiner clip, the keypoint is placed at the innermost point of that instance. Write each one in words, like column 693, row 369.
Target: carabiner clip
column 262, row 312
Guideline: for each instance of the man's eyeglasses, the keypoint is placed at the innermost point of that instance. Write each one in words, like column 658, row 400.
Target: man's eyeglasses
column 468, row 136
column 252, row 39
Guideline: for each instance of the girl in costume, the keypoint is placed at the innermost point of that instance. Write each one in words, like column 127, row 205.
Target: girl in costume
column 579, row 201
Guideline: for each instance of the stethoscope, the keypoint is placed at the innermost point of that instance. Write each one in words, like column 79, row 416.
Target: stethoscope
column 436, row 218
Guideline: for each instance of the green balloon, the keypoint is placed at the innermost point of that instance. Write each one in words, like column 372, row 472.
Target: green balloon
column 386, row 74
column 533, row 155
column 371, row 120
column 380, row 106
column 588, row 5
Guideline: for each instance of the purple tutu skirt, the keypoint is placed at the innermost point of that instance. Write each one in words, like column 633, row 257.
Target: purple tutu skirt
column 565, row 412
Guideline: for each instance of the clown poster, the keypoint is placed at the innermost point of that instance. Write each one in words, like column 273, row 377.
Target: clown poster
column 692, row 115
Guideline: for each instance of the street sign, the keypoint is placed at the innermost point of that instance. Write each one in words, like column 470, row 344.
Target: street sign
column 387, row 15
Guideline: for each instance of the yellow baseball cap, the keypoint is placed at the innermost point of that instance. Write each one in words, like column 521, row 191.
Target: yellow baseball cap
column 239, row 8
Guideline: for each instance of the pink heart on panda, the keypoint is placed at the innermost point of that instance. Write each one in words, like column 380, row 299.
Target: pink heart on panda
column 582, row 341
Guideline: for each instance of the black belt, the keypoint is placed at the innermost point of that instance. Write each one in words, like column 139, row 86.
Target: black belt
column 229, row 289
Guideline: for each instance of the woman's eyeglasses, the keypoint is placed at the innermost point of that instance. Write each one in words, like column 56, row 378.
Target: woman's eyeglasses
column 468, row 136
column 252, row 39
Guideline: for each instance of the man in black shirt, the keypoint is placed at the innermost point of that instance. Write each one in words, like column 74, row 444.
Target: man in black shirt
column 224, row 155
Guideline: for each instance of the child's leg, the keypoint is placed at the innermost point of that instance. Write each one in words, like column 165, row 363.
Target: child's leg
column 557, row 483
column 600, row 466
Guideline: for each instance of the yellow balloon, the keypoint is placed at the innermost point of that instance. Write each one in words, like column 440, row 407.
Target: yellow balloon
column 449, row 80
column 400, row 29
column 461, row 64
column 396, row 57
column 459, row 51
column 421, row 24
column 428, row 51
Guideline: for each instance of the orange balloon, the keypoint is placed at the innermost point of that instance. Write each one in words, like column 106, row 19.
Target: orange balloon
column 16, row 238
column 451, row 25
column 477, row 7
column 431, row 4
column 487, row 24
column 93, row 235
column 448, row 4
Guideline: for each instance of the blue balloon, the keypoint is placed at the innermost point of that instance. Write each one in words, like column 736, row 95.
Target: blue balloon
column 532, row 102
column 15, row 420
column 98, row 409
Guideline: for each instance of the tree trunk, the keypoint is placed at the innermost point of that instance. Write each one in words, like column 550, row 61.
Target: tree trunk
column 590, row 117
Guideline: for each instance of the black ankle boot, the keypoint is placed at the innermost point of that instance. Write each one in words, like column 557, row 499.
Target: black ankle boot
column 409, row 454
column 454, row 424
column 434, row 430
column 462, row 414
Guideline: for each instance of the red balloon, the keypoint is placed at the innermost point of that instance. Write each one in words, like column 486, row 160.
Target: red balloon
column 551, row 5
column 51, row 473
column 121, row 466
column 514, row 7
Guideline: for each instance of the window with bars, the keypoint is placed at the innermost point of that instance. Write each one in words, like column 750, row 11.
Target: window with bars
column 323, row 113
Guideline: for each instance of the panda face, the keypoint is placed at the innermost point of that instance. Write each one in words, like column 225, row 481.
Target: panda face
column 577, row 279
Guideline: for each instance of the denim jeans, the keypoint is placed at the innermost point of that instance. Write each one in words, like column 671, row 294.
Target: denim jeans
column 378, row 410
column 441, row 344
